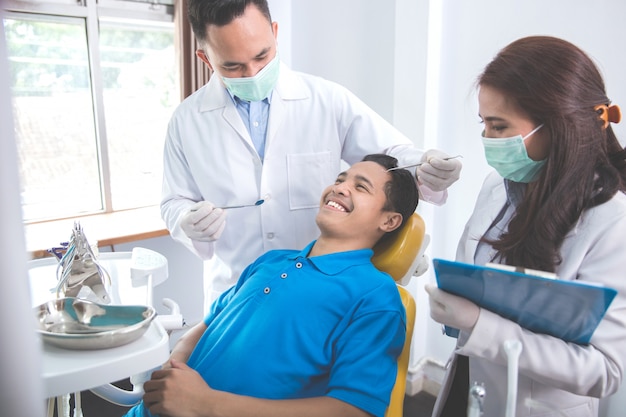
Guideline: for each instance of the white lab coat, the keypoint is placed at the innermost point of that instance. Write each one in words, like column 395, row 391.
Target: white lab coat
column 564, row 375
column 313, row 125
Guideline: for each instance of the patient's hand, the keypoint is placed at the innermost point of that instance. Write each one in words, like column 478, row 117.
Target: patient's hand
column 177, row 391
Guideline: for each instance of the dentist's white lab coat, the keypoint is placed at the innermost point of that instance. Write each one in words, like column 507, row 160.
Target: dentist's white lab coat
column 558, row 374
column 313, row 125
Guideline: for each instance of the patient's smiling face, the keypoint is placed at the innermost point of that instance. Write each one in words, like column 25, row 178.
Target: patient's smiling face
column 353, row 206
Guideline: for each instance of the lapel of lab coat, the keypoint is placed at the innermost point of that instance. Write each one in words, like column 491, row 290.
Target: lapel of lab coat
column 289, row 87
column 489, row 203
column 216, row 97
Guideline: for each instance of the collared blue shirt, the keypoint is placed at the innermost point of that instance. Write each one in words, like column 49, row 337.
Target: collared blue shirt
column 300, row 327
column 255, row 115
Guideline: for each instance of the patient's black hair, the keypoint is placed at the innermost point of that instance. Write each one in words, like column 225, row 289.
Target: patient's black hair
column 401, row 191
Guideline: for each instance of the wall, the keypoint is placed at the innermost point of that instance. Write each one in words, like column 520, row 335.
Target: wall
column 342, row 41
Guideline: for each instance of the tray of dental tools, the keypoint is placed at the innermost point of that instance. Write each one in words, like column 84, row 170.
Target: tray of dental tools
column 80, row 324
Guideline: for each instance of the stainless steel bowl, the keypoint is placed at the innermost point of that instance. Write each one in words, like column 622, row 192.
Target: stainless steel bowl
column 74, row 323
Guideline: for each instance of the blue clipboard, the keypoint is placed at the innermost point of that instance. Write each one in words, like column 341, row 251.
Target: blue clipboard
column 569, row 310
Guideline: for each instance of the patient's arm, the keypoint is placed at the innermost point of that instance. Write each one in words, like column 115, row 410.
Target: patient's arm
column 181, row 392
column 186, row 344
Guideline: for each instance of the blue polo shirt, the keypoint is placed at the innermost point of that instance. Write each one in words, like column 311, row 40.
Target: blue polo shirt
column 298, row 327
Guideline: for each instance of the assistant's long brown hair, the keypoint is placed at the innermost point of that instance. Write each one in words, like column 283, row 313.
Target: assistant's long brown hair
column 557, row 84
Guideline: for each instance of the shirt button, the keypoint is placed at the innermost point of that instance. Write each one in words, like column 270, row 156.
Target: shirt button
column 270, row 236
column 256, row 124
column 283, row 275
column 299, row 265
column 266, row 290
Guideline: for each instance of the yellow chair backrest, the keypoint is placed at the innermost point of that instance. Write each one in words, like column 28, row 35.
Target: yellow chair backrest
column 397, row 258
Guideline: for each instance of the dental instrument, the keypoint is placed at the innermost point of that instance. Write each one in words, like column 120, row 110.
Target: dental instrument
column 256, row 203
column 79, row 271
column 422, row 163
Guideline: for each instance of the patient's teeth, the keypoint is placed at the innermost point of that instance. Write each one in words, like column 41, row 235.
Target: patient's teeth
column 335, row 205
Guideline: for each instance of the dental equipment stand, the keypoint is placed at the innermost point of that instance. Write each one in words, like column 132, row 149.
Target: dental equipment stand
column 133, row 274
column 476, row 397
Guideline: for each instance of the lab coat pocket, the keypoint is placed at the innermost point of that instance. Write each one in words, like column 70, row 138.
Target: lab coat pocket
column 307, row 175
column 556, row 409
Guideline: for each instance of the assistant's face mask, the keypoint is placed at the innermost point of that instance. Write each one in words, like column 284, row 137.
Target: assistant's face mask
column 509, row 157
column 258, row 87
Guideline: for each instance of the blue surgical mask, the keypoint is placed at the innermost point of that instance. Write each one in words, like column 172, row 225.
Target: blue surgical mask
column 258, row 87
column 509, row 157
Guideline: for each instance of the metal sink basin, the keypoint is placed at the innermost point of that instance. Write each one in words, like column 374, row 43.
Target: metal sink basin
column 74, row 323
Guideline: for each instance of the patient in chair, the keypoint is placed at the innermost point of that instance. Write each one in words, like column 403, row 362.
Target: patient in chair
column 304, row 333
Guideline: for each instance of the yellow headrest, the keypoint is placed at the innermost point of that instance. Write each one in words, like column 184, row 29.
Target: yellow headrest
column 396, row 256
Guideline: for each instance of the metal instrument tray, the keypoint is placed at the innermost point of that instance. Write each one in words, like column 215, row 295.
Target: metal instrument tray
column 74, row 323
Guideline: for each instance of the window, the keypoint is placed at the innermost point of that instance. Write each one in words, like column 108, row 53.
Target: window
column 93, row 88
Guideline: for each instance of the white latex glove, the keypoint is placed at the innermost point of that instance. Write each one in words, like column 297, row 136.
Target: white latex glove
column 451, row 310
column 438, row 174
column 204, row 222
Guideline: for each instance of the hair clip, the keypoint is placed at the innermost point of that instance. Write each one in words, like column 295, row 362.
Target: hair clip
column 609, row 114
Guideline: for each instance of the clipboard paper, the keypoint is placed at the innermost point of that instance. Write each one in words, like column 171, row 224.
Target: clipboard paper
column 569, row 310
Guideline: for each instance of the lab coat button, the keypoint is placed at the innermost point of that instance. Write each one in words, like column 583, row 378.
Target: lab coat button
column 283, row 275
column 266, row 290
column 270, row 236
column 299, row 265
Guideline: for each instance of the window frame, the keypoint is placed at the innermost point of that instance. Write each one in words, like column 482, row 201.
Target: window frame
column 92, row 11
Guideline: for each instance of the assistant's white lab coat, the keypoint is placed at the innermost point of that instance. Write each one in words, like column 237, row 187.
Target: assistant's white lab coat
column 313, row 125
column 559, row 374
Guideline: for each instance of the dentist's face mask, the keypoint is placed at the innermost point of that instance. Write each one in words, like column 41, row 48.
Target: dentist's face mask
column 509, row 157
column 258, row 87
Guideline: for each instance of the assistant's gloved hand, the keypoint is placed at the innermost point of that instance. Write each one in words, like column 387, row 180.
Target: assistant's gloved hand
column 204, row 222
column 451, row 310
column 437, row 173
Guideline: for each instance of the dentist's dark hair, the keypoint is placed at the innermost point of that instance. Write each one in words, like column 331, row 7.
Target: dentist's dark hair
column 401, row 191
column 556, row 84
column 202, row 13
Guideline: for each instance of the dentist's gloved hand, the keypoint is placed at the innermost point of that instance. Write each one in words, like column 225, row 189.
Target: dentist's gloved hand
column 451, row 310
column 204, row 222
column 437, row 173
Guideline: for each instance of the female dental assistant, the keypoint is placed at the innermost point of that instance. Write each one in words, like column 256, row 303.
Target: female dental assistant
column 258, row 130
column 555, row 203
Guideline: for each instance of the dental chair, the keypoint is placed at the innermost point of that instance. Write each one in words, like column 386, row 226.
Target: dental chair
column 401, row 258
